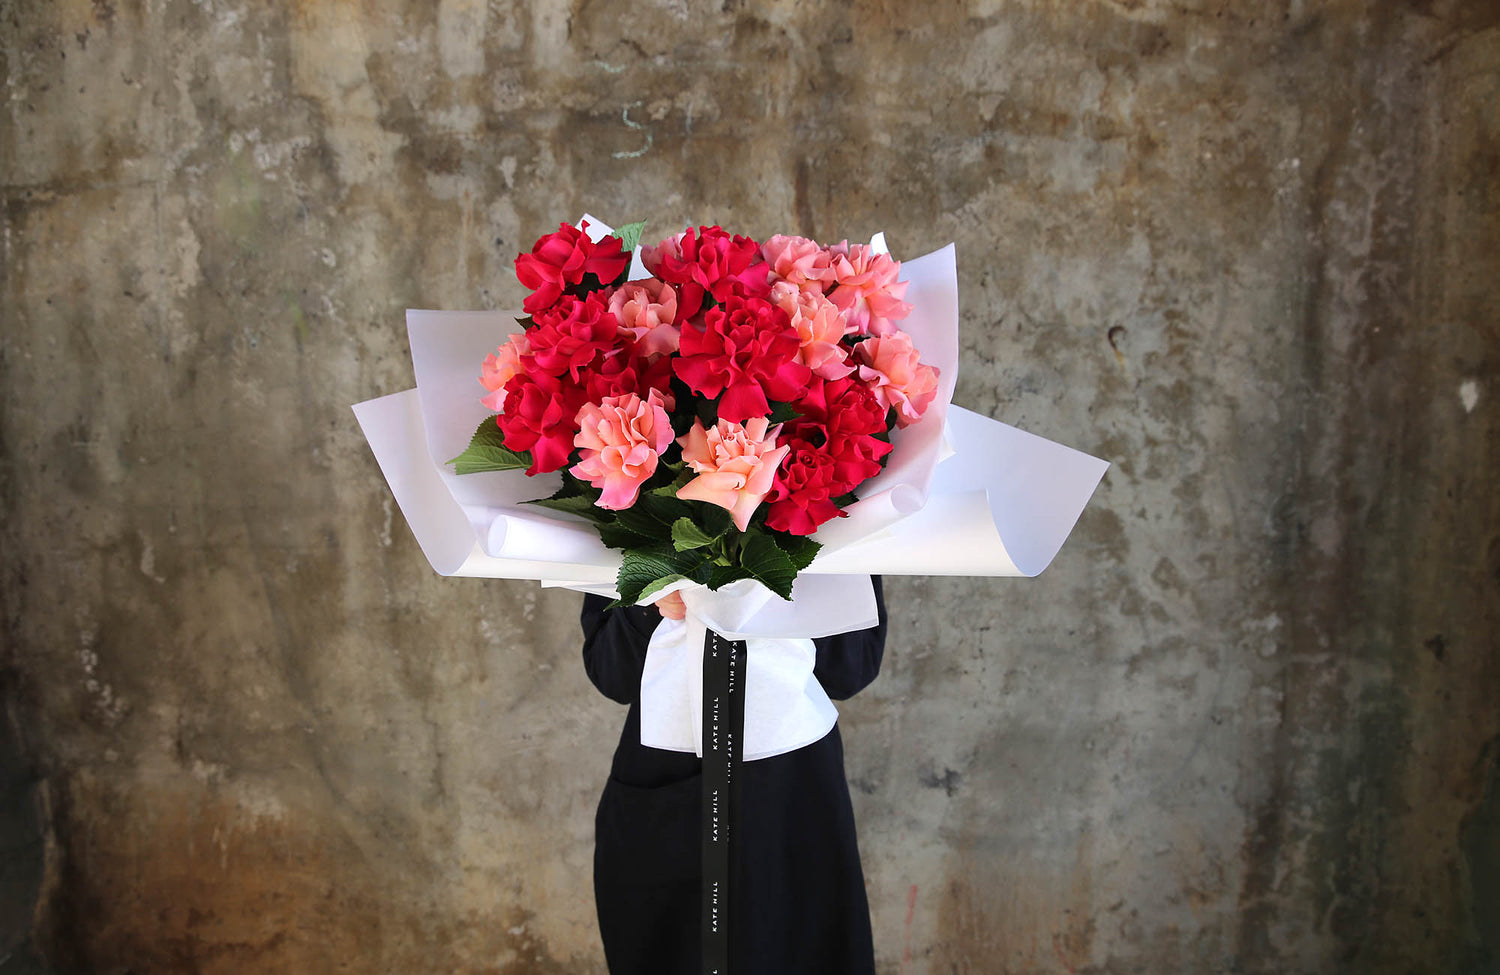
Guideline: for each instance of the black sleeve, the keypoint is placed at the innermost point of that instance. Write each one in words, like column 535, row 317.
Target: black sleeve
column 848, row 662
column 614, row 645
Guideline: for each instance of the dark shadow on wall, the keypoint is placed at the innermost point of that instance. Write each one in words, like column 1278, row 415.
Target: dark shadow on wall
column 22, row 852
column 1479, row 838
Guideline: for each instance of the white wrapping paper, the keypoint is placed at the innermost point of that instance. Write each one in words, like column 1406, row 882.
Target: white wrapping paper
column 785, row 706
column 961, row 494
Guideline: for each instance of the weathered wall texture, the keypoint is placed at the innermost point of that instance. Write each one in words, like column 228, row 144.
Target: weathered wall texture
column 1249, row 251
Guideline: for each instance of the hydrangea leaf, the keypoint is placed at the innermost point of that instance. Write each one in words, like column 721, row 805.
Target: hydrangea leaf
column 487, row 452
column 687, row 535
column 630, row 235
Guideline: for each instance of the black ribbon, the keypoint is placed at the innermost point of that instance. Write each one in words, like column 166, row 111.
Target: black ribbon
column 723, row 751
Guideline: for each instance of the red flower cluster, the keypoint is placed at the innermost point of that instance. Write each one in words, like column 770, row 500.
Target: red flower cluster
column 578, row 354
column 709, row 261
column 559, row 261
column 746, row 352
column 841, row 426
column 744, row 325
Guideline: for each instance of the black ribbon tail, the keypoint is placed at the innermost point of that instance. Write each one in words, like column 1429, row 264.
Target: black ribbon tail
column 723, row 752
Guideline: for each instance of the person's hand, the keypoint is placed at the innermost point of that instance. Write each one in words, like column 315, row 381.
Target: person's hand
column 671, row 606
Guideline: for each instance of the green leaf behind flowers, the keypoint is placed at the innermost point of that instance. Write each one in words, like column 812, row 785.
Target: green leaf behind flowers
column 801, row 549
column 686, row 535
column 782, row 412
column 723, row 575
column 575, row 497
column 649, row 569
column 714, row 519
column 615, row 535
column 704, row 547
column 658, row 586
column 670, row 489
column 764, row 560
column 653, row 514
column 576, row 504
column 487, row 452
column 630, row 235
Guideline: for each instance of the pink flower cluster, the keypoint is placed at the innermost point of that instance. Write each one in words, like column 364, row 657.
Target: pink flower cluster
column 605, row 370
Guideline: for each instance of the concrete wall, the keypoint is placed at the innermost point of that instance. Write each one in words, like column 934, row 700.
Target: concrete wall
column 1248, row 251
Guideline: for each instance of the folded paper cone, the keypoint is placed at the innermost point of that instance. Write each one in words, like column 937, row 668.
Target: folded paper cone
column 1002, row 505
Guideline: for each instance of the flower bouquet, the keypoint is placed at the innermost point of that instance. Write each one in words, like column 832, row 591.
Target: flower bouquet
column 709, row 418
column 758, row 425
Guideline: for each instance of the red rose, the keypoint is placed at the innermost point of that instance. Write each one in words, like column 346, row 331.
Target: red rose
column 800, row 497
column 568, row 336
column 540, row 413
column 629, row 370
column 559, row 261
column 708, row 260
column 856, row 459
column 845, row 417
column 746, row 350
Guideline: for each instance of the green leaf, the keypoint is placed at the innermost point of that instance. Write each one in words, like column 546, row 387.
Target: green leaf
column 708, row 410
column 639, row 520
column 764, row 560
column 664, row 510
column 487, row 452
column 782, row 412
column 723, row 575
column 658, row 586
column 845, row 500
column 801, row 549
column 630, row 235
column 714, row 519
column 615, row 535
column 686, row 535
column 680, row 481
column 576, row 504
column 682, row 417
column 575, row 497
column 644, row 568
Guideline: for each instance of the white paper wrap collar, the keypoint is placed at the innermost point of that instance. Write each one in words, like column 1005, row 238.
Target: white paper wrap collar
column 785, row 706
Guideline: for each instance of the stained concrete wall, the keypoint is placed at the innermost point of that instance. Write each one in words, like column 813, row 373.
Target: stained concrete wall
column 1247, row 251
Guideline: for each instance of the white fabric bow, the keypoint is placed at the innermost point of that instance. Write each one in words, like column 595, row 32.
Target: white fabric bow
column 785, row 706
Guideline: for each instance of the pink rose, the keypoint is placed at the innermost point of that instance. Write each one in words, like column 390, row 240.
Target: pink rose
column 819, row 327
column 648, row 310
column 867, row 293
column 736, row 465
column 889, row 366
column 621, row 439
column 499, row 366
column 799, row 261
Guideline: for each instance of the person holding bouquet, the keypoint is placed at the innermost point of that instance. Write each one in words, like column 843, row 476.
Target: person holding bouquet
column 705, row 412
column 707, row 419
column 797, row 896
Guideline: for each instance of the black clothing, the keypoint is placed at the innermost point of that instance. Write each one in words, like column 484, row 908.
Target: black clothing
column 798, row 903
